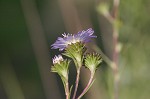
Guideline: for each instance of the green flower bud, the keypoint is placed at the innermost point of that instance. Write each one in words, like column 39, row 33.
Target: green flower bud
column 92, row 61
column 61, row 66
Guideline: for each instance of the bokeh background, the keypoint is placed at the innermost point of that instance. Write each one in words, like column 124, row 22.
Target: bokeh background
column 29, row 27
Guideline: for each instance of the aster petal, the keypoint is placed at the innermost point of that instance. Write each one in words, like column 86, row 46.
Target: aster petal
column 82, row 36
column 85, row 36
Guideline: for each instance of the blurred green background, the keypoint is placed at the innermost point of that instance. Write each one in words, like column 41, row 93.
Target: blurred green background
column 29, row 27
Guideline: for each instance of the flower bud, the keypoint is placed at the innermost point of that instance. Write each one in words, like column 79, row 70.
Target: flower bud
column 92, row 61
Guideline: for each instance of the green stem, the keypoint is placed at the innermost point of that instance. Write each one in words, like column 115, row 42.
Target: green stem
column 77, row 83
column 87, row 86
column 66, row 86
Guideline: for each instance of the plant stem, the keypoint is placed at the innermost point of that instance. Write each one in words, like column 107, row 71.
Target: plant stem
column 66, row 86
column 115, row 51
column 77, row 83
column 115, row 61
column 67, row 90
column 87, row 86
column 116, row 82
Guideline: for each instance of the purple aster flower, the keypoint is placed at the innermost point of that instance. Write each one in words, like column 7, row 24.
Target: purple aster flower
column 82, row 36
